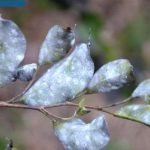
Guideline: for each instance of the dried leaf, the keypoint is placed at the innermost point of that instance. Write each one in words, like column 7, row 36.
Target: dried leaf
column 111, row 76
column 137, row 112
column 56, row 44
column 143, row 90
column 26, row 72
column 12, row 50
column 77, row 135
column 64, row 80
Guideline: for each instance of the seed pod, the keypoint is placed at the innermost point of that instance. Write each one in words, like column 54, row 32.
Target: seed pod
column 56, row 44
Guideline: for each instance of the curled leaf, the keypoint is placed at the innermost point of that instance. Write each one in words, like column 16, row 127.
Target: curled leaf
column 137, row 112
column 143, row 90
column 77, row 135
column 81, row 110
column 111, row 76
column 12, row 50
column 26, row 72
column 56, row 44
column 64, row 80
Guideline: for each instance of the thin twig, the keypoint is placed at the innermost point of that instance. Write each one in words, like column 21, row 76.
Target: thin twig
column 20, row 106
column 131, row 119
column 43, row 110
column 51, row 116
column 16, row 98
column 97, row 107
column 119, row 103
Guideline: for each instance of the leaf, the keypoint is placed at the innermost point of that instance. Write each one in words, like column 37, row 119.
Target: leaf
column 56, row 44
column 6, row 77
column 81, row 103
column 137, row 112
column 111, row 76
column 82, row 111
column 143, row 90
column 26, row 72
column 77, row 135
column 12, row 50
column 64, row 80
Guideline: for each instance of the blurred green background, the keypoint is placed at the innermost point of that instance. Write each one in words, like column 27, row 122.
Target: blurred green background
column 119, row 29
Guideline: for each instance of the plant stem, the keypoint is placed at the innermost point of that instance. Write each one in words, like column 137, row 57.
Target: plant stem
column 40, row 109
column 43, row 110
column 119, row 103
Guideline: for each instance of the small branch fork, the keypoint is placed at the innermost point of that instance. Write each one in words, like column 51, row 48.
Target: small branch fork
column 51, row 116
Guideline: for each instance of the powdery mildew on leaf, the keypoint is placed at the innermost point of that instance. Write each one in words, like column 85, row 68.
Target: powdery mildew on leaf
column 56, row 44
column 143, row 90
column 137, row 112
column 12, row 49
column 26, row 72
column 77, row 135
column 6, row 77
column 111, row 76
column 64, row 80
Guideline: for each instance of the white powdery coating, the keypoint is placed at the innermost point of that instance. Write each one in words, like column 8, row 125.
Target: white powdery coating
column 143, row 90
column 25, row 73
column 76, row 135
column 136, row 111
column 111, row 76
column 64, row 80
column 6, row 77
column 12, row 49
column 56, row 44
